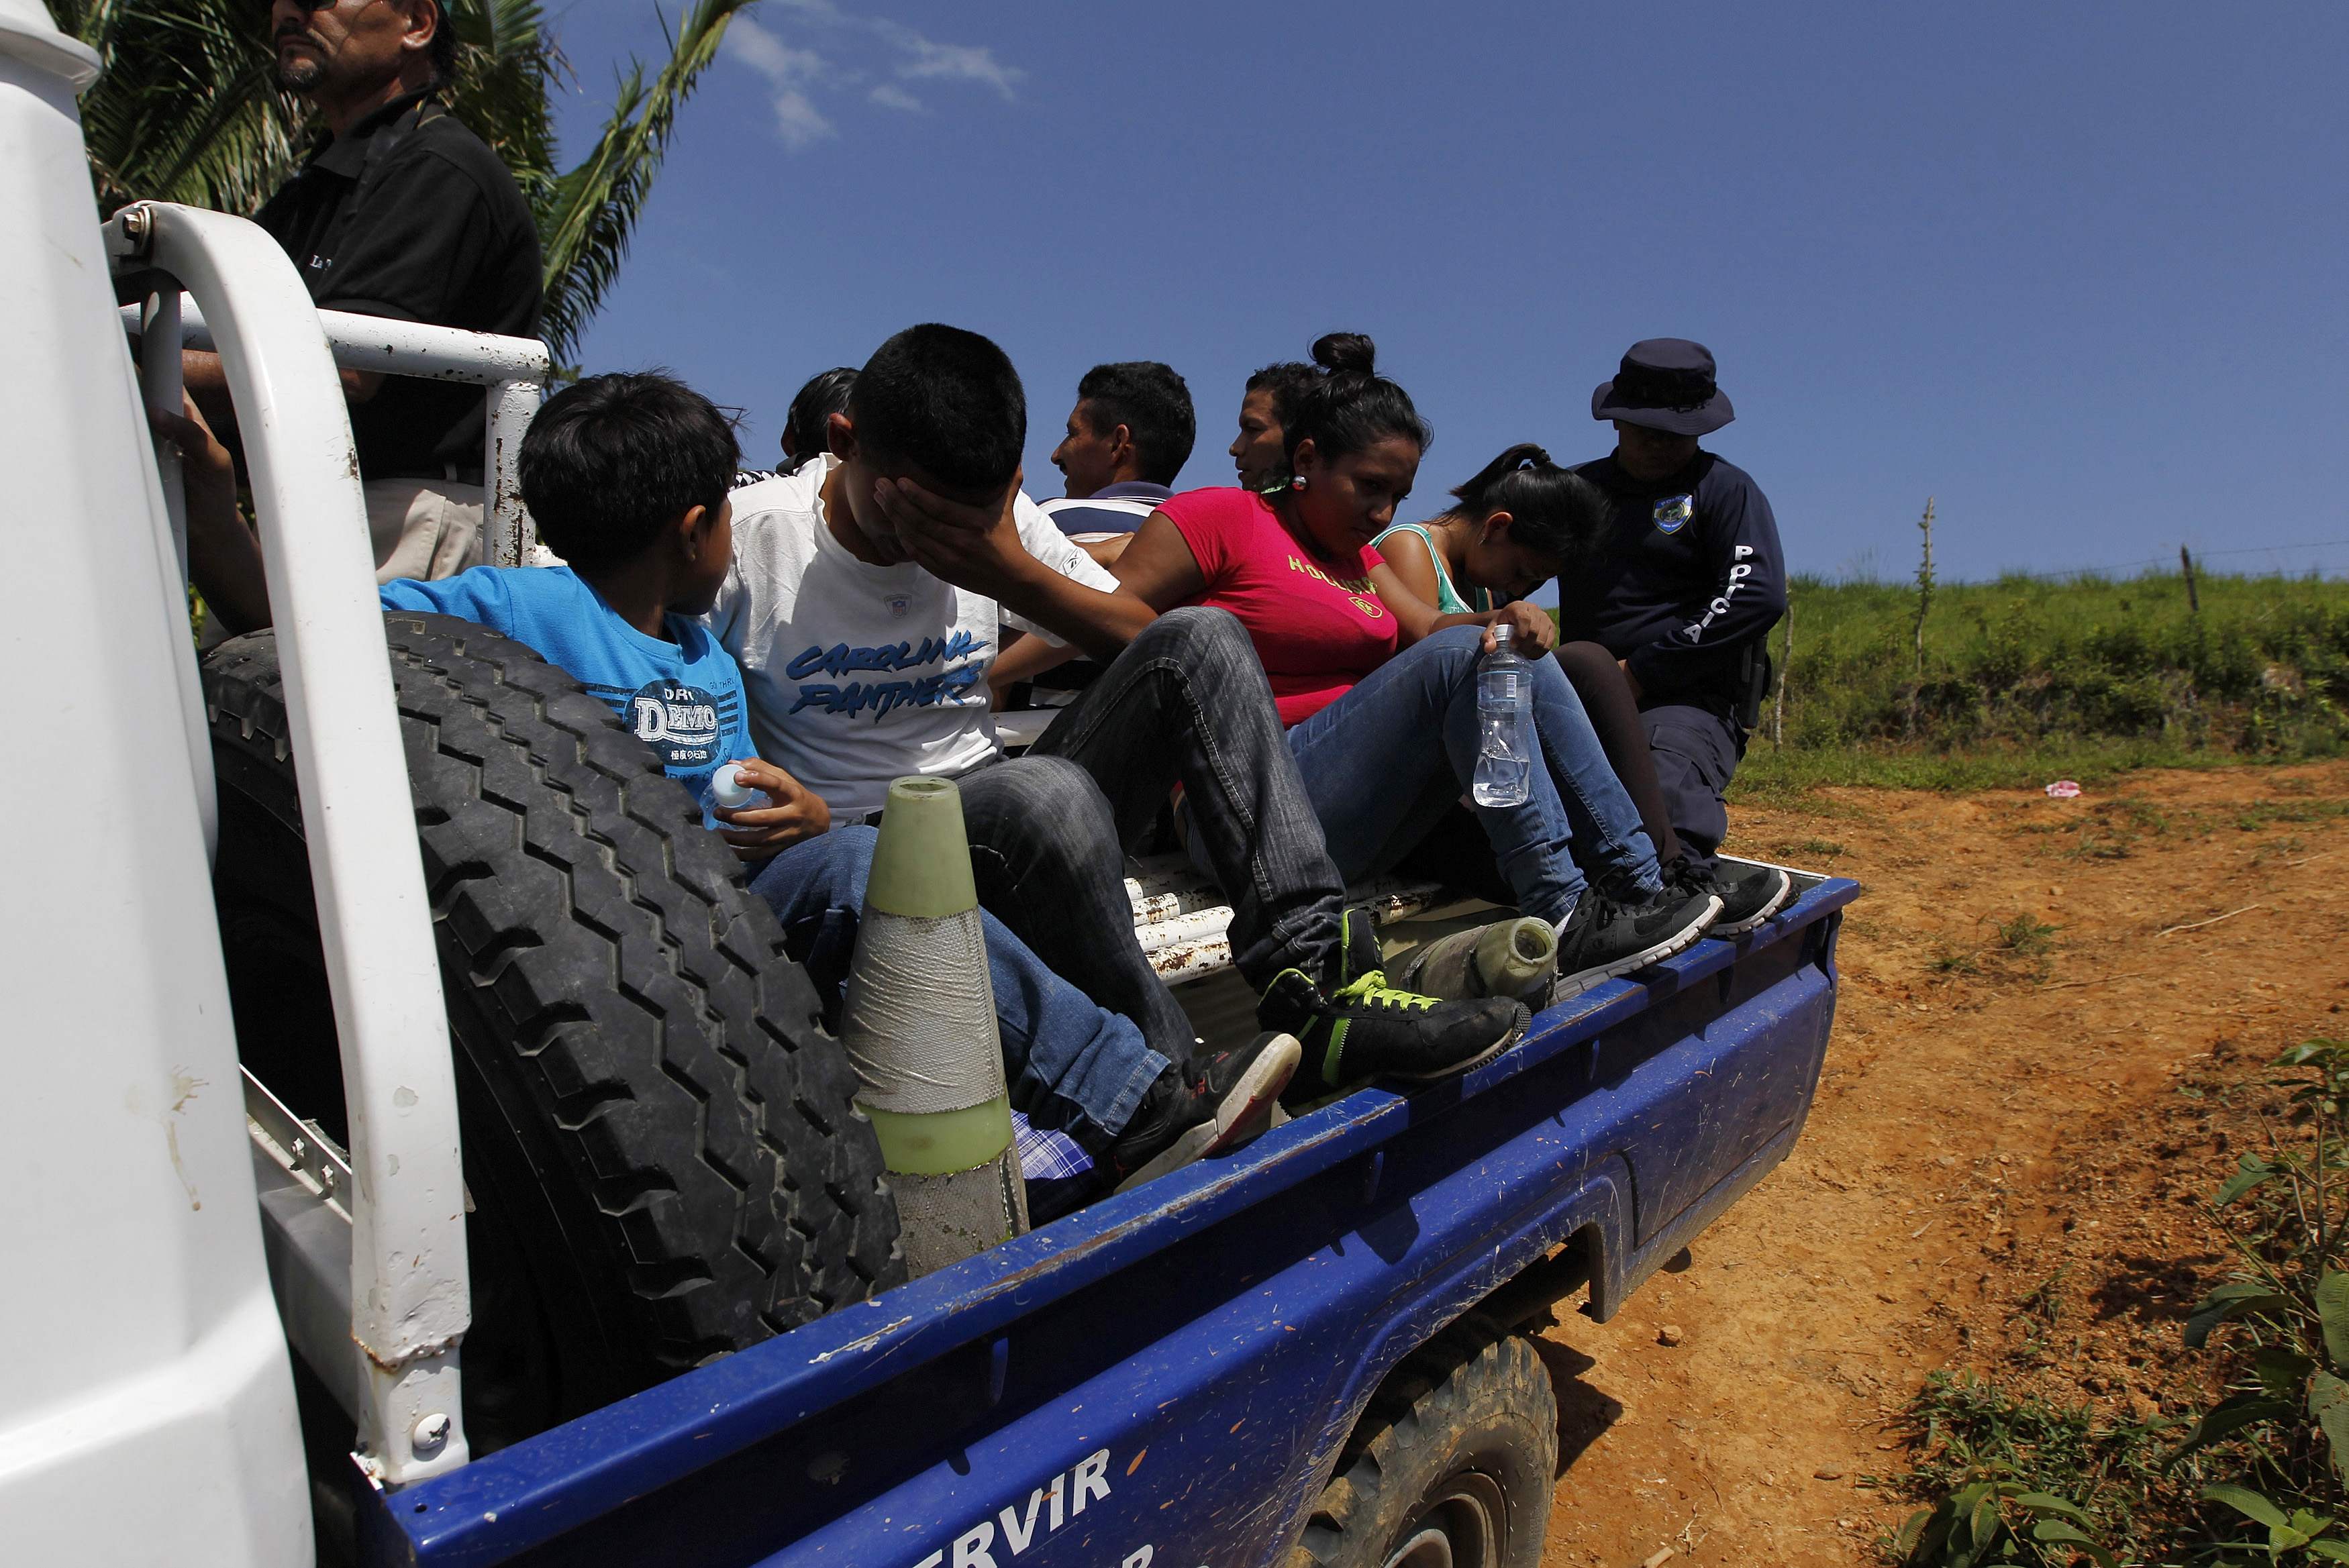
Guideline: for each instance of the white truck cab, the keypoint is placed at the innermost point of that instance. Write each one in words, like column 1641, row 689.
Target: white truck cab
column 145, row 1399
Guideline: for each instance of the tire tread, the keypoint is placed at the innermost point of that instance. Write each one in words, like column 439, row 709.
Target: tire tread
column 639, row 989
column 1469, row 1366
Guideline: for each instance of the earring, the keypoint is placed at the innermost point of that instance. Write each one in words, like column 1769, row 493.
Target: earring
column 1297, row 482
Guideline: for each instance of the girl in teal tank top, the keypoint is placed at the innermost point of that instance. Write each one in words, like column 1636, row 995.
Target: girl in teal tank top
column 1479, row 555
column 1447, row 597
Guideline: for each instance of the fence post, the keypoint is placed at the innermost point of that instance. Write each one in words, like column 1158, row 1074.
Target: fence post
column 1924, row 604
column 2193, row 599
column 1785, row 672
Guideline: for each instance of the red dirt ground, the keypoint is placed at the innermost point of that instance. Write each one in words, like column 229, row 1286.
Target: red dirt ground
column 1991, row 1119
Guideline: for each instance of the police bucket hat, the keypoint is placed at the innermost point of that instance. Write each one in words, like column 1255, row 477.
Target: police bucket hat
column 1665, row 384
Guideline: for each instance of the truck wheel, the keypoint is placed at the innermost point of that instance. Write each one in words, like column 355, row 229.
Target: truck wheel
column 661, row 1156
column 1452, row 1466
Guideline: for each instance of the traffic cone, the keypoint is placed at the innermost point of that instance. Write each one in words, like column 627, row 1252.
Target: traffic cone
column 918, row 1023
column 1508, row 958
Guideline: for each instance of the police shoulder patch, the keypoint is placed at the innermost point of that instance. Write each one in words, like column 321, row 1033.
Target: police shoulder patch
column 1673, row 512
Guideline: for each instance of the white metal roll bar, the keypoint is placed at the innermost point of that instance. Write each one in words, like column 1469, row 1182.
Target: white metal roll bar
column 515, row 370
column 410, row 1302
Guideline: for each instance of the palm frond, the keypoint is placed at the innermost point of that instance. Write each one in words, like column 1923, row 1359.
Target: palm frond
column 583, row 231
column 186, row 109
column 508, row 67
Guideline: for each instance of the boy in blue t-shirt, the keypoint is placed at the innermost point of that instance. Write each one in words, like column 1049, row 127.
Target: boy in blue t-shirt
column 626, row 477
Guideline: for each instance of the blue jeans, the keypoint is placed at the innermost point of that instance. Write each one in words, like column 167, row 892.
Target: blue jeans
column 1385, row 761
column 1072, row 1063
column 1087, row 1023
column 1187, row 703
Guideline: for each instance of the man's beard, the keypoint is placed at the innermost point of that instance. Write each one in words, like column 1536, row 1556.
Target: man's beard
column 300, row 73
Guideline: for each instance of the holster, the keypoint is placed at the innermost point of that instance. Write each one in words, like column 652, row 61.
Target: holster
column 1754, row 669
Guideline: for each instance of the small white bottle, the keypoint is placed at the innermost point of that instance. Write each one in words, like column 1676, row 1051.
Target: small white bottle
column 730, row 792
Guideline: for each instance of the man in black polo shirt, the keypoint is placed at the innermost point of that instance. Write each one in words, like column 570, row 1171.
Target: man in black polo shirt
column 401, row 213
column 1683, row 590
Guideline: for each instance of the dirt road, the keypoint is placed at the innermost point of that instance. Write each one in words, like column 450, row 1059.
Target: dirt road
column 2003, row 1107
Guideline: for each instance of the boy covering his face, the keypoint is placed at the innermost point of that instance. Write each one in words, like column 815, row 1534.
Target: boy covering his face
column 866, row 605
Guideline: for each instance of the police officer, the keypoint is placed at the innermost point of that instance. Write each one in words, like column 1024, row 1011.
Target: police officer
column 400, row 212
column 1683, row 589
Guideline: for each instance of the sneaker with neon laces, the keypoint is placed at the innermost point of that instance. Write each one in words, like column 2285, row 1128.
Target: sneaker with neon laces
column 1361, row 1028
column 1220, row 1103
column 1604, row 938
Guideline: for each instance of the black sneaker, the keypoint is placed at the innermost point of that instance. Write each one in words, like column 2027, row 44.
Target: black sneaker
column 1220, row 1104
column 1750, row 893
column 1363, row 1028
column 1602, row 938
column 1359, row 953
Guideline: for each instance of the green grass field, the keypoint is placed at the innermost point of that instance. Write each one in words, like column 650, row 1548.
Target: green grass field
column 2028, row 680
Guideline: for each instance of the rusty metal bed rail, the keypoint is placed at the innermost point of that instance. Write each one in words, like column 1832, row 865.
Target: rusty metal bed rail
column 1182, row 919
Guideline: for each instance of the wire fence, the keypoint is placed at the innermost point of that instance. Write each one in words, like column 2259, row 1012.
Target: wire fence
column 2289, row 560
column 2279, row 562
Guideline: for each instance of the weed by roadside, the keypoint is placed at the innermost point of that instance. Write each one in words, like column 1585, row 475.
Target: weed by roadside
column 2261, row 1473
column 2021, row 947
column 1948, row 962
column 2015, row 1479
column 2027, row 935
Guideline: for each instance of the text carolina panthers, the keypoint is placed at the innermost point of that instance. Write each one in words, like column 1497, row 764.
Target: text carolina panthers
column 879, row 698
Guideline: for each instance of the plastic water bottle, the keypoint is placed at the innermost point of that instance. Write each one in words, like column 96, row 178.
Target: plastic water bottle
column 1504, row 754
column 730, row 792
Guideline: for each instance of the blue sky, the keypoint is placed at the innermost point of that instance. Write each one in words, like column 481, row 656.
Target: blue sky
column 2076, row 271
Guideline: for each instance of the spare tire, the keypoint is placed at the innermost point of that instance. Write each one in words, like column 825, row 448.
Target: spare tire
column 661, row 1154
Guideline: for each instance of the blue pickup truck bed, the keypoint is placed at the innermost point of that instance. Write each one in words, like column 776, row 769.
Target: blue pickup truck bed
column 1167, row 1376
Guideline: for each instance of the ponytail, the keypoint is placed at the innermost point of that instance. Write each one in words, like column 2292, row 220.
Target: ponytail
column 1553, row 511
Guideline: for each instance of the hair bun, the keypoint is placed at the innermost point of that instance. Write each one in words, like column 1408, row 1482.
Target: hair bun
column 1337, row 352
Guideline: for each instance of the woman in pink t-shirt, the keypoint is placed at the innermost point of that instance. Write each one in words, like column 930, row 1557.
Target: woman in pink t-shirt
column 1378, row 688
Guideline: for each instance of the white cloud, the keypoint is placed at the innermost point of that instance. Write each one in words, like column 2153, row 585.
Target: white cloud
column 928, row 59
column 798, row 122
column 789, row 72
column 800, row 76
column 768, row 56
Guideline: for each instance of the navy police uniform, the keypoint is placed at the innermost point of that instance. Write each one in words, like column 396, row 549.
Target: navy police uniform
column 1684, row 588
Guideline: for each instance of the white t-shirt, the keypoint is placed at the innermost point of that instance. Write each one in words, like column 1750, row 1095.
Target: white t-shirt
column 860, row 673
